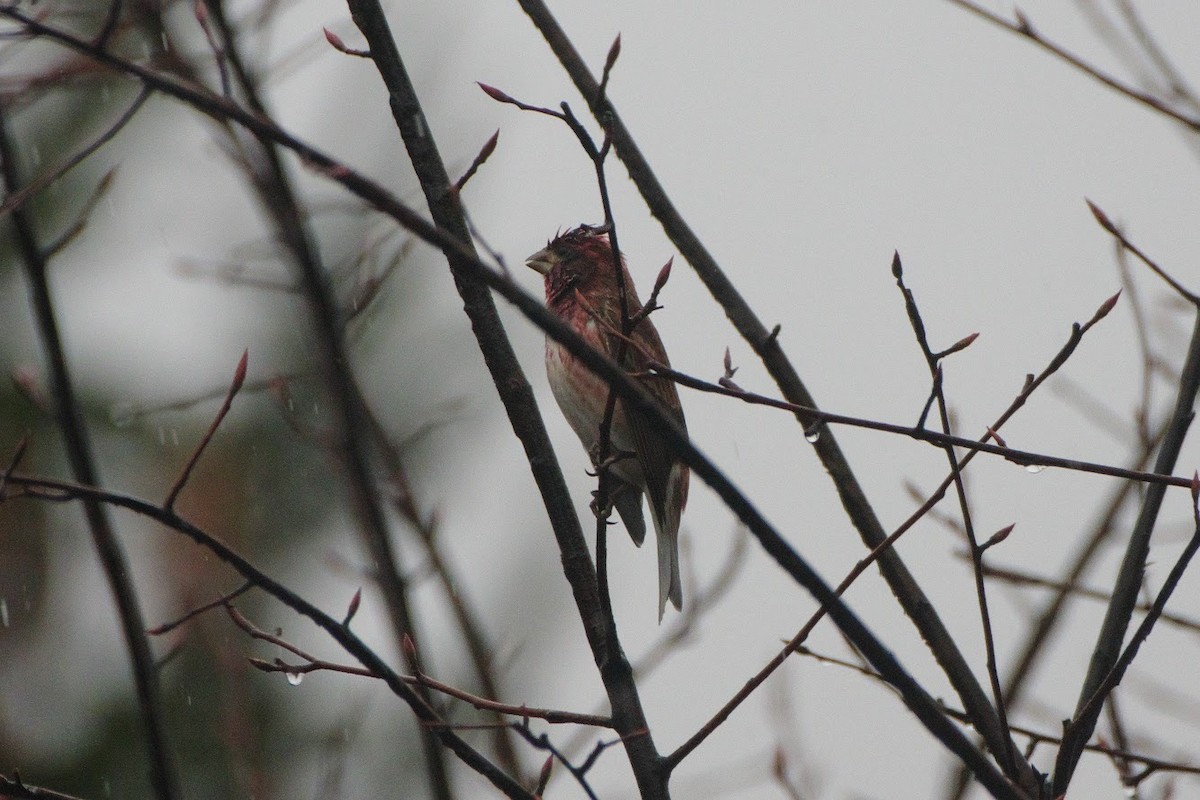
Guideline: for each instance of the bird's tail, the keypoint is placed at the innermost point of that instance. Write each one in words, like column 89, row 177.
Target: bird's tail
column 669, row 585
column 666, row 533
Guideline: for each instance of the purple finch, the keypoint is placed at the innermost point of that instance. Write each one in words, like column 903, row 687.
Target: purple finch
column 582, row 290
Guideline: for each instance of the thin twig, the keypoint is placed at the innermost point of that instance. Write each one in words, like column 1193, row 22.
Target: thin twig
column 1019, row 578
column 542, row 742
column 223, row 600
column 13, row 462
column 239, row 377
column 1024, row 458
column 17, row 199
column 482, row 156
column 933, row 363
column 17, row 789
column 550, row 715
column 1125, row 242
column 1022, row 27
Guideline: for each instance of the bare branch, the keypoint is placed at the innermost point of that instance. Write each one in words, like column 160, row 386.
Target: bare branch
column 239, row 377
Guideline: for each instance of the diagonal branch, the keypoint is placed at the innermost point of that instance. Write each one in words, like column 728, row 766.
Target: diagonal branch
column 1022, row 27
column 1129, row 578
column 63, row 491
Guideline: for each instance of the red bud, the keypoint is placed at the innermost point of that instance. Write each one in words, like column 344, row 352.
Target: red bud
column 1101, row 217
column 353, row 608
column 1107, row 306
column 239, row 375
column 998, row 537
column 494, row 93
column 613, row 52
column 664, row 275
column 489, row 147
column 336, row 42
column 961, row 344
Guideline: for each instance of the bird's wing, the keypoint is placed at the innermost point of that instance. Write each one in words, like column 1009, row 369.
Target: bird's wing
column 656, row 458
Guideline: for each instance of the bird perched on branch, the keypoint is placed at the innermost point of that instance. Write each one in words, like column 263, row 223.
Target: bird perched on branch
column 582, row 290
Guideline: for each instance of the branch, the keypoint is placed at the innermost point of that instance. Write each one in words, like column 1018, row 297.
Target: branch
column 1025, row 458
column 16, row 788
column 1085, row 717
column 1129, row 579
column 933, row 362
column 53, row 490
column 1126, row 244
column 239, row 377
column 17, row 199
column 70, row 418
column 1022, row 27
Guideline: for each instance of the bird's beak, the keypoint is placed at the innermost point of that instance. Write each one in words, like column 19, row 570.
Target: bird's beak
column 543, row 261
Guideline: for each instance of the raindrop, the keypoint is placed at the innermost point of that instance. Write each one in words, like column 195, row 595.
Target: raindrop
column 3, row 613
column 1034, row 469
column 162, row 436
column 189, row 699
column 175, row 437
column 812, row 435
column 294, row 678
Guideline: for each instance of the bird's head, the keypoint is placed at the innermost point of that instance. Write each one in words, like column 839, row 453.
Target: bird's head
column 579, row 259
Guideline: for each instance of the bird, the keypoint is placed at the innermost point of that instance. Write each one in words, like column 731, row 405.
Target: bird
column 579, row 273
